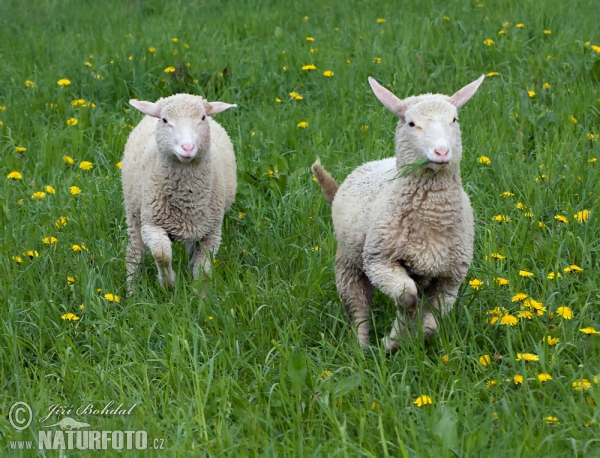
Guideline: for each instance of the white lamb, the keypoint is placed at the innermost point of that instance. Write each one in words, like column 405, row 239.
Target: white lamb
column 410, row 237
column 179, row 179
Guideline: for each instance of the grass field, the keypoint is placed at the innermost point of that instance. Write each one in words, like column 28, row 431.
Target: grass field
column 266, row 364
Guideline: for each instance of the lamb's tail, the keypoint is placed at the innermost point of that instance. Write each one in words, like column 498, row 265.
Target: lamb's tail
column 328, row 184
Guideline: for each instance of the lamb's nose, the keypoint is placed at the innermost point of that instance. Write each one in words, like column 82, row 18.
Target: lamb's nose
column 442, row 153
column 189, row 147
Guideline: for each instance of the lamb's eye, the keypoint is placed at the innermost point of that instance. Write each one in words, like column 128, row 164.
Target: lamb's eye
column 164, row 120
column 454, row 120
column 411, row 124
column 203, row 117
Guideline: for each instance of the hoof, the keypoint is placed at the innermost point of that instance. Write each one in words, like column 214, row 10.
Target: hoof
column 391, row 346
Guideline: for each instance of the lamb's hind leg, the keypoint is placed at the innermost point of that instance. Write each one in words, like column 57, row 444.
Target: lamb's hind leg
column 356, row 291
column 201, row 252
column 158, row 241
column 442, row 296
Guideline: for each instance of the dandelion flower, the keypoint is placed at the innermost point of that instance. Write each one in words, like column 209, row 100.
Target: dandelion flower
column 119, row 164
column 489, row 42
column 63, row 82
column 302, row 124
column 295, row 96
column 518, row 379
column 38, row 195
column 561, row 218
column 490, row 74
column 112, row 297
column 531, row 94
column 445, row 359
column 497, row 256
column 72, row 122
column 551, row 420
column 70, row 317
column 565, row 312
column 509, row 320
column 74, row 190
column 241, row 215
column 501, row 218
column 377, row 60
column 70, row 280
column 309, row 67
column 76, row 248
column 277, row 99
column 518, row 297
column 29, row 83
column 596, row 48
column 589, row 330
column 151, row 49
column 18, row 259
column 581, row 385
column 507, row 194
column 484, row 360
column 544, row 377
column 546, row 85
column 520, row 25
column 547, row 32
column 20, row 149
column 484, row 160
column 573, row 268
column 475, row 283
column 527, row 357
column 490, row 383
column 61, row 222
column 14, row 176
column 525, row 273
column 574, row 119
column 169, row 70
column 69, row 160
column 500, row 281
column 422, row 400
column 552, row 275
column 328, row 73
column 582, row 216
column 85, row 165
column 552, row 340
column 593, row 159
column 310, row 39
column 525, row 314
column 49, row 240
column 380, row 21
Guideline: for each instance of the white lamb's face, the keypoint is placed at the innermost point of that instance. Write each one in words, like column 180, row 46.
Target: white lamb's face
column 431, row 127
column 183, row 131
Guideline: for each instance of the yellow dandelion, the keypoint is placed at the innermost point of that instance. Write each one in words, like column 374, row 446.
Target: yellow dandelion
column 70, row 317
column 63, row 82
column 501, row 32
column 527, row 357
column 553, row 275
column 29, row 83
column 547, row 32
column 377, row 60
column 497, row 256
column 380, row 21
column 501, row 218
column 552, row 340
column 69, row 160
column 152, row 49
column 574, row 119
column 592, row 137
column 490, row 74
column 589, row 330
column 302, row 124
column 445, row 359
column 18, row 259
column 581, row 385
column 20, row 149
column 38, row 195
column 277, row 99
column 520, row 25
column 526, row 314
column 76, row 248
column 507, row 194
column 74, row 190
column 525, row 273
column 543, row 377
column 328, row 73
column 518, row 379
column 531, row 94
column 561, row 218
column 582, row 216
column 596, row 48
column 119, row 164
column 49, row 240
column 112, row 297
column 546, row 85
column 565, row 312
column 573, row 268
column 500, row 281
column 518, row 297
column 71, row 122
column 61, row 222
column 85, row 165
column 169, row 70
column 484, row 160
column 509, row 320
column 422, row 400
column 489, row 42
column 295, row 96
column 14, row 176
column 475, row 283
column 374, row 406
column 71, row 280
column 521, row 206
column 309, row 67
column 551, row 420
column 50, row 190
column 310, row 39
column 490, row 384
column 484, row 360
column 77, row 103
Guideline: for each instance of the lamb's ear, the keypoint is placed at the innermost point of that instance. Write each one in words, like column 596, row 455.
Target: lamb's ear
column 212, row 108
column 149, row 108
column 389, row 100
column 463, row 96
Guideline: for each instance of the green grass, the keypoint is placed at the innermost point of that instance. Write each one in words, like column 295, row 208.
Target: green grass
column 266, row 364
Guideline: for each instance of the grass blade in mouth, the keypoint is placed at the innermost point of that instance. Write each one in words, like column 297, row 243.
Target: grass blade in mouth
column 411, row 167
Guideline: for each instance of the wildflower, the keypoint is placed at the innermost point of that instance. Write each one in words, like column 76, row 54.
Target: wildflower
column 507, row 194
column 547, row 32
column 485, row 360
column 112, row 298
column 310, row 39
column 500, row 281
column 509, row 320
column 525, row 314
column 71, row 280
column 527, row 357
column 488, row 42
column 241, row 215
column 302, row 124
column 85, row 165
column 551, row 275
column 309, row 67
column 581, row 385
column 520, row 25
column 49, row 240
column 119, row 164
column 521, row 206
column 596, row 48
column 445, row 359
column 565, row 312
column 574, row 119
column 546, row 85
column 518, row 297
column 14, row 176
column 328, row 73
column 377, row 60
column 295, row 96
column 475, row 283
column 593, row 159
column 348, row 61
column 531, row 303
column 74, row 190
column 169, row 69
column 501, row 218
column 61, row 222
column 151, row 49
column 38, row 195
column 490, row 383
column 552, row 340
column 76, row 248
column 20, row 149
column 501, row 32
column 551, row 420
column 63, row 82
column 484, row 160
column 285, row 68
column 70, row 317
column 50, row 190
column 277, row 99
column 582, row 216
column 573, row 268
column 544, row 377
column 589, row 330
column 531, row 94
column 81, row 307
column 561, row 218
column 518, row 379
column 497, row 256
column 380, row 21
column 72, row 122
column 525, row 273
column 490, row 74
column 69, row 160
column 422, row 400
column 446, row 18
column 528, row 214
column 78, row 103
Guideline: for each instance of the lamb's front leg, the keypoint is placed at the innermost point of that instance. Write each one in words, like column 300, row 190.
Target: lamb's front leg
column 442, row 294
column 157, row 240
column 392, row 279
column 203, row 250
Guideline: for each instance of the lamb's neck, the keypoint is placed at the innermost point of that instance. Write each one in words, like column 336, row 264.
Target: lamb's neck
column 196, row 174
